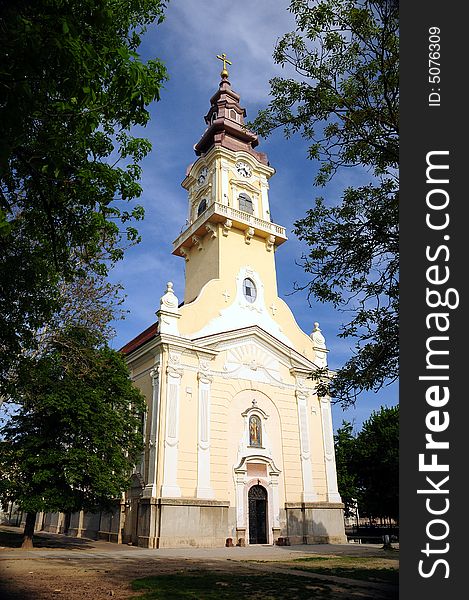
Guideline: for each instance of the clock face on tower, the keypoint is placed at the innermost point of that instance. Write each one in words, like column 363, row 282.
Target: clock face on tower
column 243, row 169
column 202, row 176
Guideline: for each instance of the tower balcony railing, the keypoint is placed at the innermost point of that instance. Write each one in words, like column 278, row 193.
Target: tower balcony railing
column 221, row 213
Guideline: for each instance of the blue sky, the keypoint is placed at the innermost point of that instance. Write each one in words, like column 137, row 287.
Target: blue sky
column 194, row 32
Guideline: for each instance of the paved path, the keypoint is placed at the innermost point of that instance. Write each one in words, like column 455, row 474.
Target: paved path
column 57, row 546
column 357, row 583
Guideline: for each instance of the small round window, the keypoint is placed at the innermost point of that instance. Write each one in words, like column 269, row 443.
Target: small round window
column 249, row 290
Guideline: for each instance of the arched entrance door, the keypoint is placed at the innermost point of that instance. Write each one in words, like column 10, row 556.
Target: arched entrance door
column 257, row 500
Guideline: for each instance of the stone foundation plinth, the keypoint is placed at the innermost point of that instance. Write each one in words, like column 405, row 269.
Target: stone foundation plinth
column 182, row 522
column 315, row 523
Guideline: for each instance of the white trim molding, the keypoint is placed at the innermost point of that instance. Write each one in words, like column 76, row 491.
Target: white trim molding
column 204, row 487
column 150, row 487
column 170, row 488
column 309, row 494
column 329, row 453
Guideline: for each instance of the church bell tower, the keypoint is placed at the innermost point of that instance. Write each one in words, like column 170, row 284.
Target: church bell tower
column 229, row 222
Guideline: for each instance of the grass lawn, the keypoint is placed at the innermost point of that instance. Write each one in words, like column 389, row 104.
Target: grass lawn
column 384, row 570
column 202, row 585
column 209, row 585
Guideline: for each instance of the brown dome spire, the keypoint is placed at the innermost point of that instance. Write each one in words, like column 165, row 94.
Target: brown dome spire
column 225, row 120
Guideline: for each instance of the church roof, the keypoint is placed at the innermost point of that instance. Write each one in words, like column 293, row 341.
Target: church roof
column 138, row 341
column 226, row 128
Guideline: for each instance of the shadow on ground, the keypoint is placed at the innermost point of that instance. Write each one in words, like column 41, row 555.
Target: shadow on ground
column 82, row 577
column 12, row 537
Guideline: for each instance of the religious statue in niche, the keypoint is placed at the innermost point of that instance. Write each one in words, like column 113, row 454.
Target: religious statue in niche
column 255, row 432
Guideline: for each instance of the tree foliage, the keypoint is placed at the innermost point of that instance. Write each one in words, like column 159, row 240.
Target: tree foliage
column 377, row 464
column 344, row 101
column 72, row 87
column 344, row 445
column 76, row 433
column 88, row 302
column 368, row 465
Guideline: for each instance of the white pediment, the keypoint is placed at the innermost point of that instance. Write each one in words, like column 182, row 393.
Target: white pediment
column 250, row 360
column 254, row 354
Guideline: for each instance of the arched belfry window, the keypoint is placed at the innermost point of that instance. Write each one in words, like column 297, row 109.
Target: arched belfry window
column 202, row 207
column 245, row 203
column 255, row 431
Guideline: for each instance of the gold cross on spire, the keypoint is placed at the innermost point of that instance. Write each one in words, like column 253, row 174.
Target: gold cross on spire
column 222, row 57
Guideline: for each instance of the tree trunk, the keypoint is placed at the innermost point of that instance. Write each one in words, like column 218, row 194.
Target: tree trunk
column 28, row 531
column 67, row 518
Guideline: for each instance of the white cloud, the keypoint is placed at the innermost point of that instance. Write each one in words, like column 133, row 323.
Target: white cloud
column 245, row 30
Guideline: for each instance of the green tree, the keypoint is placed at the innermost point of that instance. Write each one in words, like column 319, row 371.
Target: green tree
column 72, row 87
column 344, row 101
column 88, row 302
column 76, row 433
column 377, row 464
column 344, row 445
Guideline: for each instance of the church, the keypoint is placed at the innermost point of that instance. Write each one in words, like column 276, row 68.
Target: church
column 239, row 448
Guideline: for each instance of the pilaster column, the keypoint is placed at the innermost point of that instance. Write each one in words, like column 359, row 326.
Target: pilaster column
column 275, row 500
column 240, row 512
column 141, row 467
column 328, row 436
column 265, row 199
column 170, row 488
column 150, row 477
column 204, row 488
column 80, row 530
column 309, row 495
column 223, row 198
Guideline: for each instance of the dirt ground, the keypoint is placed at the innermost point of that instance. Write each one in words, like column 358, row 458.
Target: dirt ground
column 77, row 578
column 83, row 570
